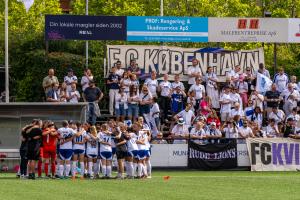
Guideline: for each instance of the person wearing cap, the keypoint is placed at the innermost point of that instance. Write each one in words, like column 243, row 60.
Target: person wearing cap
column 49, row 80
column 225, row 101
column 70, row 79
column 92, row 95
column 245, row 131
column 113, row 82
column 159, row 139
column 199, row 90
column 187, row 115
column 180, row 132
column 193, row 72
column 277, row 114
column 213, row 133
column 272, row 129
column 85, row 80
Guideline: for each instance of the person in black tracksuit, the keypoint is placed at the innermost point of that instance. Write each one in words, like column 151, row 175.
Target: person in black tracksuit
column 23, row 151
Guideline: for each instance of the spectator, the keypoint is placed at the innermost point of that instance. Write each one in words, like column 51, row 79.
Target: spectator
column 236, row 111
column 152, row 84
column 145, row 102
column 198, row 134
column 119, row 70
column 154, row 116
column 177, row 98
column 211, row 80
column 277, row 114
column 85, row 80
column 272, row 129
column 113, row 82
column 180, row 132
column 205, row 106
column 53, row 95
column 191, row 99
column 290, row 104
column 257, row 99
column 213, row 117
column 70, row 79
column 73, row 96
column 187, row 115
column 92, row 95
column 133, row 103
column 289, row 130
column 49, row 80
column 199, row 90
column 272, row 97
column 125, row 82
column 121, row 105
column 257, row 116
column 194, row 72
column 250, row 79
column 134, row 81
column 236, row 98
column 62, row 92
column 263, row 70
column 159, row 139
column 133, row 68
column 294, row 83
column 177, row 83
column 165, row 89
column 294, row 115
column 243, row 90
column 290, row 91
column 249, row 110
column 234, row 75
column 245, row 131
column 281, row 80
column 229, row 130
column 225, row 101
column 213, row 133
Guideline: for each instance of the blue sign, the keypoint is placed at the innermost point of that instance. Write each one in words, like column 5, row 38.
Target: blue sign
column 167, row 29
column 82, row 27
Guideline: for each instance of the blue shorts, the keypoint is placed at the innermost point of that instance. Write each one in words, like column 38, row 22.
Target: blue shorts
column 106, row 155
column 78, row 151
column 148, row 153
column 133, row 110
column 65, row 154
column 141, row 155
column 133, row 153
column 92, row 155
column 113, row 150
column 121, row 111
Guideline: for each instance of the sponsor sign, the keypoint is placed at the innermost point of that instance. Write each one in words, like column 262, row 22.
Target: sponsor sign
column 167, row 29
column 212, row 156
column 81, row 27
column 276, row 154
column 176, row 60
column 294, row 30
column 248, row 30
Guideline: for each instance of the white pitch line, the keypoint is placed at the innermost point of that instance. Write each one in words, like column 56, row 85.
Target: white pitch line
column 224, row 176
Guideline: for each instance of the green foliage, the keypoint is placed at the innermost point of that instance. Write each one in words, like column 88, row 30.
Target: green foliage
column 29, row 62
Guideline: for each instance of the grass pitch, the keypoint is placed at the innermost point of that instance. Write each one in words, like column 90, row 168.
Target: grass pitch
column 181, row 185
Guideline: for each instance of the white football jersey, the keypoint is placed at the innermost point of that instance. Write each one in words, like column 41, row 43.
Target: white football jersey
column 92, row 145
column 79, row 139
column 66, row 133
column 103, row 137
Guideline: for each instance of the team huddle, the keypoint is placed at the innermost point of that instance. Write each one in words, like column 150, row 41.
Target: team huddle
column 86, row 151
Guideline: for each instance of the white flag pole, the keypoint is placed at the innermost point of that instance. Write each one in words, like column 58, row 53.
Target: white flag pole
column 6, row 54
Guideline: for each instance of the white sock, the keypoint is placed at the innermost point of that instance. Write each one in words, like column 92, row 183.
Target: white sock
column 131, row 170
column 90, row 168
column 56, row 168
column 149, row 167
column 135, row 166
column 74, row 168
column 82, row 168
column 144, row 170
column 96, row 169
column 61, row 170
column 127, row 167
column 140, row 168
column 108, row 169
column 104, row 170
column 68, row 168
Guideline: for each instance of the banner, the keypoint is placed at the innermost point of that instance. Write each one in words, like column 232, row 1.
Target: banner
column 263, row 83
column 294, row 30
column 176, row 60
column 167, row 29
column 212, row 156
column 274, row 154
column 248, row 30
column 82, row 27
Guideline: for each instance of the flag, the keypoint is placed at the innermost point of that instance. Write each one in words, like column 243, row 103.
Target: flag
column 263, row 83
column 27, row 4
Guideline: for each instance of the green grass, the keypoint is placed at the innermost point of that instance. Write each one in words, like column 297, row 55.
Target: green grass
column 181, row 185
